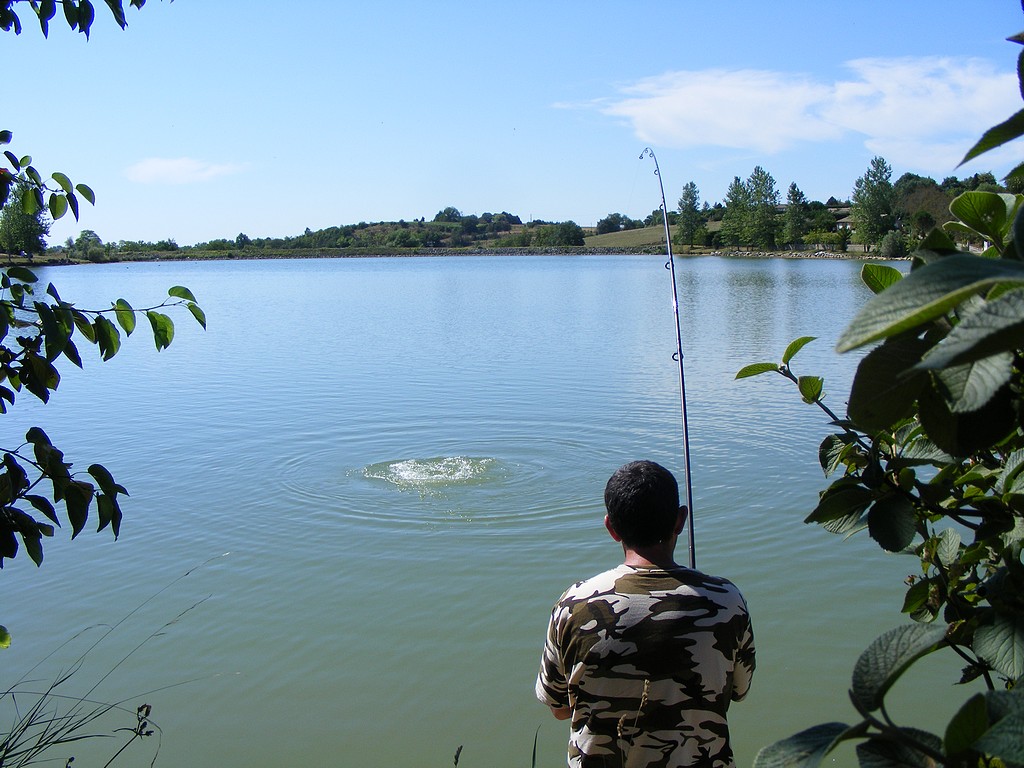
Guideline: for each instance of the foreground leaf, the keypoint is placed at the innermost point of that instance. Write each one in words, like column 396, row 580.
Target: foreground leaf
column 755, row 369
column 878, row 277
column 802, row 750
column 1001, row 644
column 925, row 294
column 888, row 657
column 882, row 752
column 795, row 346
column 997, row 327
column 892, row 522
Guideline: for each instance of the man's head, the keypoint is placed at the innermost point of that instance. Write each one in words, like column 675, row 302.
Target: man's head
column 642, row 500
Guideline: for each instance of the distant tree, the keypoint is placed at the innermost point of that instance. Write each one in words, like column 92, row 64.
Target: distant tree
column 565, row 233
column 242, row 240
column 737, row 213
column 448, row 214
column 21, row 231
column 872, row 208
column 922, row 223
column 796, row 219
column 690, row 219
column 763, row 221
column 89, row 246
column 821, row 217
column 615, row 222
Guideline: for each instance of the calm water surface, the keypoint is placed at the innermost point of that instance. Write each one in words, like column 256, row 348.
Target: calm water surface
column 379, row 474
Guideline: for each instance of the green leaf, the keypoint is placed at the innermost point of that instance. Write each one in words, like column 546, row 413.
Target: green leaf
column 43, row 504
column 987, row 213
column 840, row 502
column 754, row 369
column 163, row 329
column 967, row 726
column 58, row 205
column 62, row 180
column 948, row 548
column 831, row 452
column 1006, row 703
column 878, row 277
column 71, row 14
column 107, row 337
column 803, row 750
column 85, row 191
column 1008, row 130
column 811, row 388
column 86, row 14
column 84, row 325
column 1005, row 740
column 31, row 202
column 795, row 346
column 72, row 204
column 197, row 313
column 118, row 11
column 960, row 434
column 6, row 136
column 5, row 637
column 181, row 292
column 925, row 294
column 78, row 497
column 917, row 596
column 34, row 547
column 71, row 353
column 23, row 274
column 1001, row 644
column 997, row 326
column 885, row 388
column 36, row 436
column 125, row 316
column 1011, row 469
column 888, row 657
column 892, row 522
column 886, row 752
column 105, row 480
column 968, row 388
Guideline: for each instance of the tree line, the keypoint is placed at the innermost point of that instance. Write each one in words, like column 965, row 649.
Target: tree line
column 880, row 213
column 21, row 232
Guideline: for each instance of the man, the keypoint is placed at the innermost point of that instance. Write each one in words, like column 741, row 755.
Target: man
column 646, row 658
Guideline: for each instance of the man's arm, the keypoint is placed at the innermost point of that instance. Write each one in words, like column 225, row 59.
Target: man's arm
column 561, row 713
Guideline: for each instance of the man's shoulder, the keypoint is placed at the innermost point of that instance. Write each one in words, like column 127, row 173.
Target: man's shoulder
column 594, row 585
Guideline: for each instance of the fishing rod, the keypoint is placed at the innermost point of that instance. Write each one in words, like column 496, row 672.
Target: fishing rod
column 670, row 265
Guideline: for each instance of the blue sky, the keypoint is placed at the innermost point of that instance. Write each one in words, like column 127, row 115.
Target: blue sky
column 207, row 118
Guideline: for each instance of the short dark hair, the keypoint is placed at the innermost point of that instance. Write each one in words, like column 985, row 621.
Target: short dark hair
column 642, row 500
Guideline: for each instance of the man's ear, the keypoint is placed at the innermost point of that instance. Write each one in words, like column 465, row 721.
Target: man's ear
column 681, row 519
column 611, row 531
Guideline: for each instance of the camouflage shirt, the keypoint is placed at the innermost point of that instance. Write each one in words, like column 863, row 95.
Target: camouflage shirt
column 648, row 660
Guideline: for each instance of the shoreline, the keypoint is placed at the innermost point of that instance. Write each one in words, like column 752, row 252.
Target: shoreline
column 57, row 260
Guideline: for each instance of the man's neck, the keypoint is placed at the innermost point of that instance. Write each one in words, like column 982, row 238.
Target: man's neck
column 656, row 556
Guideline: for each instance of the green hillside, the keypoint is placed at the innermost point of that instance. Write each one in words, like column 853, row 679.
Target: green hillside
column 630, row 238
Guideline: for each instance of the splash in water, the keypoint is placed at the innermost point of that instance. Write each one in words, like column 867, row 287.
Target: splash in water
column 434, row 473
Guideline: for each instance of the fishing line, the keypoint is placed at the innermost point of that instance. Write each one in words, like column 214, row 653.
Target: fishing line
column 670, row 265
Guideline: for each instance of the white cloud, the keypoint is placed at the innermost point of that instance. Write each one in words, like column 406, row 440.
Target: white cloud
column 739, row 109
column 922, row 112
column 180, row 170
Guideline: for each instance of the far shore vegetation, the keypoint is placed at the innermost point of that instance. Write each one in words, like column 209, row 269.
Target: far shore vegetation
column 882, row 219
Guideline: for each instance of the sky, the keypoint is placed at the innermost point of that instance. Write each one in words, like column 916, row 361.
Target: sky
column 210, row 118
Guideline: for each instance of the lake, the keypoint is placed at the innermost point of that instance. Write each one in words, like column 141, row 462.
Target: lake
column 378, row 475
